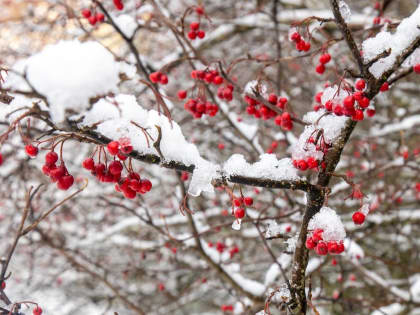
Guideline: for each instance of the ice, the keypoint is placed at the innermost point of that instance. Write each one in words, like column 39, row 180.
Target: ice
column 69, row 73
column 267, row 167
column 328, row 220
column 406, row 33
column 126, row 23
column 345, row 11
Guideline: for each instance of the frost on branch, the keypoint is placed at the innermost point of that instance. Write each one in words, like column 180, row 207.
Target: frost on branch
column 267, row 167
column 406, row 33
column 328, row 221
column 69, row 74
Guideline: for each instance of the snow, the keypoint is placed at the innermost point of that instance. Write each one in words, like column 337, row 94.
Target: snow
column 85, row 70
column 407, row 31
column 126, row 23
column 201, row 180
column 274, row 270
column 345, row 11
column 353, row 251
column 267, row 167
column 328, row 220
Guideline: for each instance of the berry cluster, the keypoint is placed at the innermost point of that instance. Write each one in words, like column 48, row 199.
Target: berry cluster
column 323, row 60
column 129, row 185
column 92, row 17
column 225, row 92
column 195, row 31
column 259, row 110
column 198, row 108
column 321, row 247
column 57, row 174
column 301, row 45
column 159, row 77
column 208, row 76
column 239, row 203
column 303, row 165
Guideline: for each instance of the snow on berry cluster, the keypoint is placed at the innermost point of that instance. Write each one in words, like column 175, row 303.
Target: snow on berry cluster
column 327, row 233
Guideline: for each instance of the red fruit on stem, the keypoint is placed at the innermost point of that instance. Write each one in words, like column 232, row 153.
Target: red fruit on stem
column 317, row 235
column 118, row 4
column 100, row 17
column 113, row 147
column 384, row 87
column 199, row 10
column 364, row 102
column 358, row 218
column 3, row 285
column 37, row 310
column 194, row 26
column 332, row 247
column 248, row 201
column 302, row 165
column 86, row 13
column 321, row 249
column 296, row 37
column 218, row 80
column 92, row 20
column 371, row 112
column 325, row 58
column 31, row 150
column 164, row 79
column 239, row 213
column 155, row 76
column 192, row 35
column 201, row 34
column 358, row 115
column 349, row 102
column 146, row 185
column 65, row 182
column 320, row 69
column 416, row 68
column 51, row 157
column 182, row 94
column 360, row 85
column 272, row 98
column 184, row 176
column 115, row 167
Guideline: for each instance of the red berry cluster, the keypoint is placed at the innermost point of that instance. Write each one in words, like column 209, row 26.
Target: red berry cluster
column 323, row 248
column 208, row 76
column 119, row 5
column 301, row 45
column 198, row 108
column 227, row 308
column 323, row 60
column 92, row 17
column 37, row 311
column 57, row 174
column 225, row 92
column 234, row 250
column 303, row 165
column 358, row 218
column 159, row 77
column 259, row 110
column 129, row 185
column 195, row 31
column 239, row 203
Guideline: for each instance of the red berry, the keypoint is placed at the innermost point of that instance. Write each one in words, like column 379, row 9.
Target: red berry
column 364, row 102
column 416, row 68
column 184, row 176
column 349, row 102
column 129, row 193
column 199, row 10
column 192, row 35
column 321, row 249
column 332, row 247
column 377, row 20
column 307, row 46
column 317, row 235
column 92, row 20
column 237, row 202
column 239, row 213
column 272, row 98
column 334, row 261
column 325, row 58
column 86, row 13
column 37, row 311
column 3, row 285
column 65, row 182
column 115, row 167
column 155, row 76
column 221, row 146
column 248, row 201
column 300, row 46
column 100, row 17
column 126, row 149
column 146, row 185
column 164, row 79
column 51, row 157
column 31, row 150
column 194, row 26
column 384, row 87
column 118, row 5
column 320, row 68
column 358, row 115
column 310, row 244
column 371, row 112
column 201, row 34
column 182, row 94
column 113, row 147
column 218, row 80
column 296, row 37
column 302, row 165
column 329, row 106
column 360, row 85
column 358, row 95
column 338, row 110
column 121, row 156
column 1, row 159
column 358, row 218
